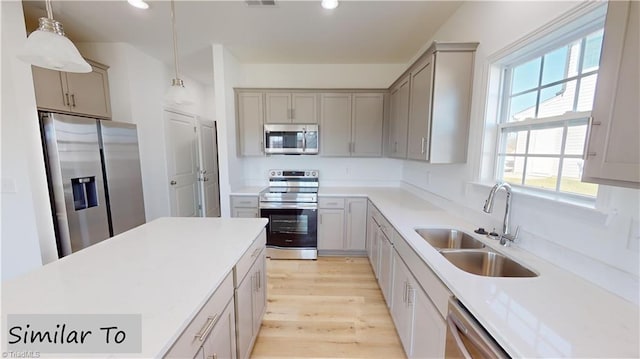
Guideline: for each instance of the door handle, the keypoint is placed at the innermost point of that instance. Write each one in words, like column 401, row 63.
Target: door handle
column 173, row 183
column 73, row 100
column 66, row 95
column 586, row 152
column 211, row 321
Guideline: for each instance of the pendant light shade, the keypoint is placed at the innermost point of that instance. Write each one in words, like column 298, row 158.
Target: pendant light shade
column 48, row 47
column 177, row 94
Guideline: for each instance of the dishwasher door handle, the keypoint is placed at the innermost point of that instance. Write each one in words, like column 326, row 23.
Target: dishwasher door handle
column 478, row 341
column 453, row 329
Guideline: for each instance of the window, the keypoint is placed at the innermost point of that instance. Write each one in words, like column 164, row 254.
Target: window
column 545, row 107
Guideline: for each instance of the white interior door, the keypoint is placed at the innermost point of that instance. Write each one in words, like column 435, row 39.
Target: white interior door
column 208, row 177
column 182, row 164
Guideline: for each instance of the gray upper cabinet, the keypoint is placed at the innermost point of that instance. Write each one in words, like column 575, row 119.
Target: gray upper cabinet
column 438, row 109
column 351, row 124
column 335, row 124
column 612, row 154
column 367, row 124
column 250, row 116
column 77, row 93
column 419, row 110
column 286, row 107
column 399, row 119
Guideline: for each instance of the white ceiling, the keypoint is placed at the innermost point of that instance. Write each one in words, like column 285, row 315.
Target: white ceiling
column 298, row 32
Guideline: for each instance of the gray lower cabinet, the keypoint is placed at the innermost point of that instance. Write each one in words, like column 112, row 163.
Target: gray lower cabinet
column 250, row 294
column 221, row 342
column 331, row 229
column 342, row 225
column 405, row 280
column 244, row 206
column 420, row 327
column 385, row 277
column 211, row 333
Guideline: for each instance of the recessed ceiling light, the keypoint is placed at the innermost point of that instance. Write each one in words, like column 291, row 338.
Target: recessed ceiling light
column 140, row 4
column 329, row 4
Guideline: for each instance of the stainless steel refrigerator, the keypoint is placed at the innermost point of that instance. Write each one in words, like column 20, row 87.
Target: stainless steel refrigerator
column 94, row 178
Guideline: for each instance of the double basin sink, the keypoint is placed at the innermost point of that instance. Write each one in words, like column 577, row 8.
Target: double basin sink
column 471, row 255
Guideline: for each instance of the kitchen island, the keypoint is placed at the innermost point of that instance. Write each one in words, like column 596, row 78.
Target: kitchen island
column 165, row 271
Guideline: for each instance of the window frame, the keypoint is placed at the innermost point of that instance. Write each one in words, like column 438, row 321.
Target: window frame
column 506, row 65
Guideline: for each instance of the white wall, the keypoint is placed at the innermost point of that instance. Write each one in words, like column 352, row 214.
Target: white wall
column 138, row 83
column 28, row 239
column 601, row 247
column 319, row 75
column 226, row 73
column 346, row 172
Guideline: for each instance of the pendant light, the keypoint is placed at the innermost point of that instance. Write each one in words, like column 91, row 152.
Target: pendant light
column 177, row 93
column 48, row 47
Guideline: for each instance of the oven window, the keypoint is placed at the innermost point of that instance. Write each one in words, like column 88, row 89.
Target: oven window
column 289, row 224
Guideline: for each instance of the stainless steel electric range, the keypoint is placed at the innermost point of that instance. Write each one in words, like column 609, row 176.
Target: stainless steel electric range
column 291, row 205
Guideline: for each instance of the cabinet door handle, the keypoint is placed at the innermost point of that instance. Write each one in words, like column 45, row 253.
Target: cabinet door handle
column 66, row 95
column 211, row 321
column 349, row 210
column 259, row 279
column 404, row 294
column 73, row 100
column 410, row 292
column 586, row 152
column 422, row 146
column 255, row 252
column 320, row 219
column 214, row 356
column 173, row 183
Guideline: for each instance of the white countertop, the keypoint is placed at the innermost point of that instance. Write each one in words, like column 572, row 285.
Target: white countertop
column 556, row 314
column 164, row 270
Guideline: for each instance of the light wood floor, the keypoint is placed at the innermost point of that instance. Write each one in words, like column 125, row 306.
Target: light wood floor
column 329, row 308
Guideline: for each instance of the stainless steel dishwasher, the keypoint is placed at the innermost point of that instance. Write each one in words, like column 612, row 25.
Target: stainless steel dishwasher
column 466, row 338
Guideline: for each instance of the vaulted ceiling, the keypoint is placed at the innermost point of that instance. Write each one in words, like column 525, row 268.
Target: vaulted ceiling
column 298, row 32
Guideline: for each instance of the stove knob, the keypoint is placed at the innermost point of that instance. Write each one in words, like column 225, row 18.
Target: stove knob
column 273, row 173
column 279, row 173
column 314, row 173
column 306, row 174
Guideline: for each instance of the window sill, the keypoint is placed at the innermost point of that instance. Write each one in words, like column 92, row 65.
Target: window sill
column 587, row 205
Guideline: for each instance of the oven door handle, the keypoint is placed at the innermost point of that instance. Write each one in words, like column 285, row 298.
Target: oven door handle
column 279, row 205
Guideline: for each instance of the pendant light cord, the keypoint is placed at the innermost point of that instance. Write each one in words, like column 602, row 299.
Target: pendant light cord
column 175, row 39
column 49, row 10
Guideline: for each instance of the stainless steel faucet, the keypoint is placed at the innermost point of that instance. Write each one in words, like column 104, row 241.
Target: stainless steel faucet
column 506, row 236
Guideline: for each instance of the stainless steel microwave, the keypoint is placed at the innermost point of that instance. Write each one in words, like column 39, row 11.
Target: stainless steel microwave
column 293, row 139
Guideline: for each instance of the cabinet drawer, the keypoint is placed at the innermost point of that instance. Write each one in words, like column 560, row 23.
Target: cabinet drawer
column 189, row 341
column 244, row 201
column 245, row 263
column 429, row 281
column 331, row 202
